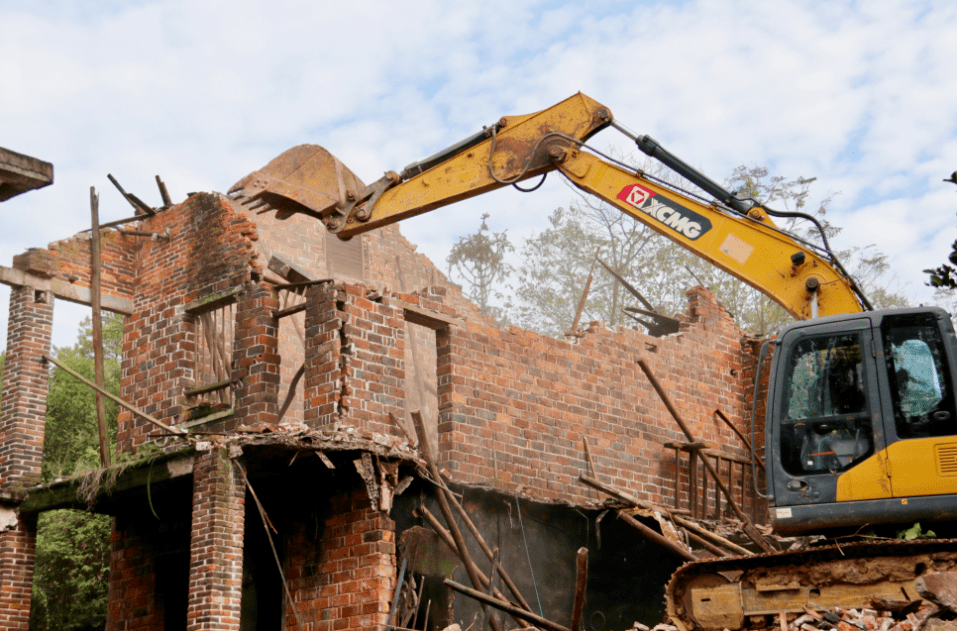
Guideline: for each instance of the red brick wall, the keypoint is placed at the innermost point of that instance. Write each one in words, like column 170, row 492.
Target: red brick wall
column 25, row 378
column 256, row 357
column 515, row 406
column 355, row 350
column 17, row 552
column 216, row 547
column 346, row 582
column 69, row 260
column 210, row 251
column 323, row 374
column 132, row 590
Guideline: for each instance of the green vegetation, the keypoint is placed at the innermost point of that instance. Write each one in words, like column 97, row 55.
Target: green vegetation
column 543, row 289
column 73, row 547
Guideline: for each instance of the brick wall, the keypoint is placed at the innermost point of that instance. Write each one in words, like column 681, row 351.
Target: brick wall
column 210, row 253
column 355, row 350
column 515, row 406
column 391, row 263
column 25, row 377
column 69, row 260
column 216, row 546
column 148, row 565
column 256, row 358
column 17, row 552
column 347, row 580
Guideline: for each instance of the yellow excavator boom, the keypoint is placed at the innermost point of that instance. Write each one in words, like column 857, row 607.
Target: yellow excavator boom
column 739, row 238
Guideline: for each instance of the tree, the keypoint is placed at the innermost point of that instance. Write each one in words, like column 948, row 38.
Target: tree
column 557, row 260
column 944, row 278
column 73, row 547
column 72, row 571
column 71, row 443
column 479, row 260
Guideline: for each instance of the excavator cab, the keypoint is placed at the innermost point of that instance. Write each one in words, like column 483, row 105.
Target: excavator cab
column 861, row 423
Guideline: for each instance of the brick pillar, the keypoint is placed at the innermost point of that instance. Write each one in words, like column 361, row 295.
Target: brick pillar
column 346, row 581
column 373, row 374
column 256, row 356
column 17, row 553
column 323, row 385
column 25, row 376
column 216, row 544
column 22, row 413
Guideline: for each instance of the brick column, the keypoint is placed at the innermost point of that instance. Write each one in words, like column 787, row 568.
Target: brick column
column 323, row 385
column 256, row 356
column 17, row 553
column 22, row 413
column 216, row 544
column 25, row 377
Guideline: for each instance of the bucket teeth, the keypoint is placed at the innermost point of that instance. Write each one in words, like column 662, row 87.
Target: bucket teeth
column 305, row 179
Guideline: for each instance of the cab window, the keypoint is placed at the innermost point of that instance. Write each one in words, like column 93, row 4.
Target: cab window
column 825, row 424
column 919, row 378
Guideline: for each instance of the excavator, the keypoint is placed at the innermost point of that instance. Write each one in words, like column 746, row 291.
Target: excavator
column 860, row 412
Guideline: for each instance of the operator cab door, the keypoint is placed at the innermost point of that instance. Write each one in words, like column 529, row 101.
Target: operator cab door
column 922, row 431
column 825, row 413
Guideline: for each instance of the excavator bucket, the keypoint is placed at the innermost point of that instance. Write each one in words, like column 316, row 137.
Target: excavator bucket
column 305, row 179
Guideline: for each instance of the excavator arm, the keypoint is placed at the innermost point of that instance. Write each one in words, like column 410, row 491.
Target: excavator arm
column 732, row 234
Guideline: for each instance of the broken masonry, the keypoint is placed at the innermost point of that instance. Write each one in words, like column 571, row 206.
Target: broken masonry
column 274, row 476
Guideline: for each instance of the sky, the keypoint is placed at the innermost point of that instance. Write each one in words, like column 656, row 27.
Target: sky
column 860, row 95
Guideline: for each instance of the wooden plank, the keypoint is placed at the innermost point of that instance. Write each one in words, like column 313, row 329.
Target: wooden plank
column 426, row 317
column 288, row 311
column 213, row 301
column 212, row 418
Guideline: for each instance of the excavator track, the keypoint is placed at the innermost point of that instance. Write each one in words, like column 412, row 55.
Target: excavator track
column 741, row 592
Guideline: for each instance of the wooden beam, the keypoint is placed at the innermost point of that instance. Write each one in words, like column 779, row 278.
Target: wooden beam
column 426, row 317
column 132, row 408
column 98, row 369
column 213, row 301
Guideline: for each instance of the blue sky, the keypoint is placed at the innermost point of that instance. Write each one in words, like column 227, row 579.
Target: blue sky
column 859, row 94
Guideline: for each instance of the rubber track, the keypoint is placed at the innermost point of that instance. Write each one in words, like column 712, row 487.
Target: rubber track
column 807, row 556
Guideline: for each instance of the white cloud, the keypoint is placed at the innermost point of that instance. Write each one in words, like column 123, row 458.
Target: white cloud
column 858, row 94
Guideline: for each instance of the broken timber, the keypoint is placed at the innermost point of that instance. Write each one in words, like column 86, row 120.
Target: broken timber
column 119, row 401
column 748, row 527
column 95, row 264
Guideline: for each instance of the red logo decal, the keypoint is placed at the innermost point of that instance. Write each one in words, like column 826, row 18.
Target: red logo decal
column 635, row 194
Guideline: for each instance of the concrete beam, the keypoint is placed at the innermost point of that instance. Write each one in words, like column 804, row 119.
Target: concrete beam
column 64, row 290
column 20, row 173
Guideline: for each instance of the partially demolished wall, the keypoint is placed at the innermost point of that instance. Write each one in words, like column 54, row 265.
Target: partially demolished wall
column 245, row 325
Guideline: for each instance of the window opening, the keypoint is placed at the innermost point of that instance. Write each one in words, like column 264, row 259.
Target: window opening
column 213, row 367
column 919, row 378
column 826, row 425
column 292, row 344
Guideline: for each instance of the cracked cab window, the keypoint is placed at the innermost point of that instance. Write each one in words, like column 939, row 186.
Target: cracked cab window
column 919, row 377
column 825, row 425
